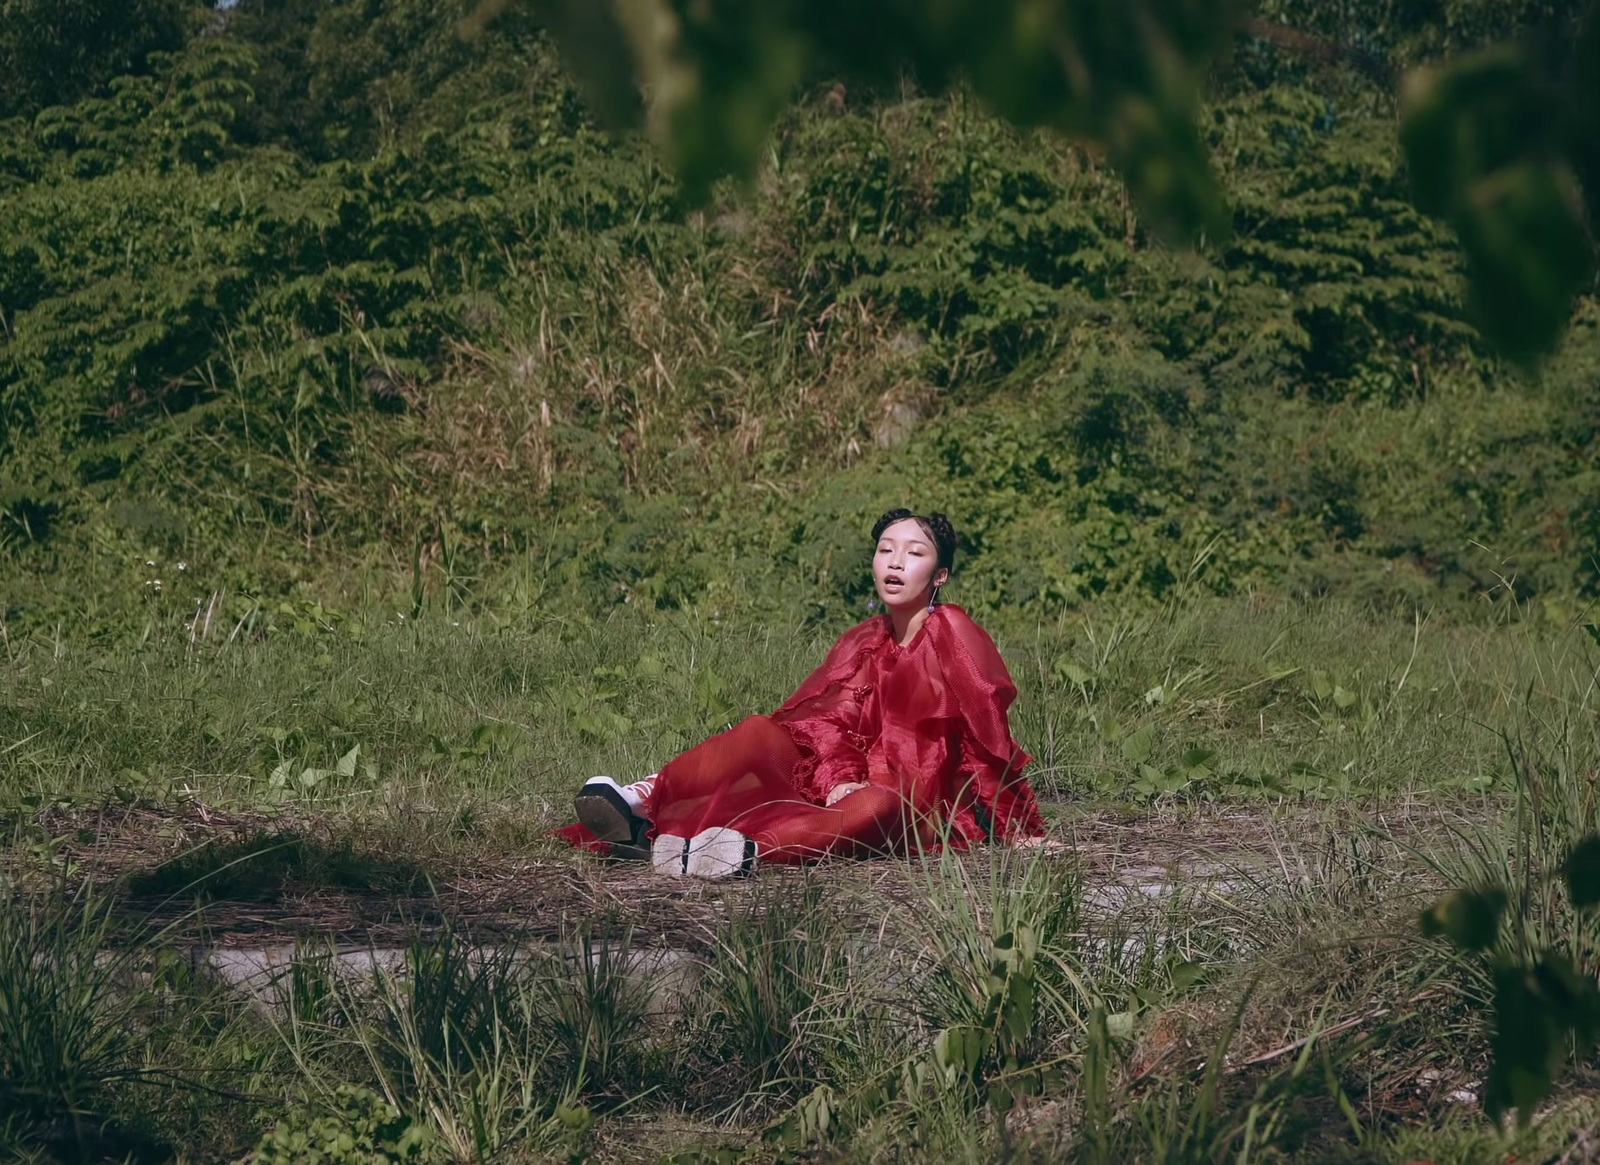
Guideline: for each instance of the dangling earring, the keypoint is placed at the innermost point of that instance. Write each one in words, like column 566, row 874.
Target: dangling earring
column 933, row 599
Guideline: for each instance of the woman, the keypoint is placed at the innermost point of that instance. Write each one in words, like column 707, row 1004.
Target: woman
column 897, row 743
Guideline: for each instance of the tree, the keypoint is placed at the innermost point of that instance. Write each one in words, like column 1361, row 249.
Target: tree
column 53, row 52
column 342, row 79
column 1501, row 144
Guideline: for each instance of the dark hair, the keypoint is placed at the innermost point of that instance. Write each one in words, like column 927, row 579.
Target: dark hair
column 935, row 526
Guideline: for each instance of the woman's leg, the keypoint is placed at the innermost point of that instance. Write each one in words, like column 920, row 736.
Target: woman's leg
column 743, row 770
column 741, row 779
column 870, row 821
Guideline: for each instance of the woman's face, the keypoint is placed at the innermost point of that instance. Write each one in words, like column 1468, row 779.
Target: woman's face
column 905, row 565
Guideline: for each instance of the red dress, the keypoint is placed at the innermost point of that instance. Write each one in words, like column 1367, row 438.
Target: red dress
column 923, row 727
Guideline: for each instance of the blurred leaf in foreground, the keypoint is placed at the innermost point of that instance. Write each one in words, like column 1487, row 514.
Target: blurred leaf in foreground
column 1492, row 143
column 713, row 76
column 1582, row 870
column 1468, row 918
column 1540, row 1014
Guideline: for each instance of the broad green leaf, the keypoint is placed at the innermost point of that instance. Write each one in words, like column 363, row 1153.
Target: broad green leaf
column 346, row 766
column 1138, row 745
column 957, row 1052
column 1069, row 670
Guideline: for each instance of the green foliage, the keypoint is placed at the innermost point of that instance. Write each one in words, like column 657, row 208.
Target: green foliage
column 771, row 988
column 480, row 359
column 53, row 52
column 360, row 1128
column 345, row 80
column 720, row 75
column 64, row 1010
column 1544, row 1010
column 1528, row 924
column 1492, row 143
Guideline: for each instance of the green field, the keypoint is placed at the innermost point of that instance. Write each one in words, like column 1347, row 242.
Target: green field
column 386, row 446
column 1258, row 798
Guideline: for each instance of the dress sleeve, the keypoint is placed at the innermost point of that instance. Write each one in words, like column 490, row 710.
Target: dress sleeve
column 843, row 661
column 1002, row 793
column 991, row 761
column 823, row 717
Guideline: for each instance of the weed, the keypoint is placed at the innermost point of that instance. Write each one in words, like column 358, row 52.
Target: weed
column 777, row 988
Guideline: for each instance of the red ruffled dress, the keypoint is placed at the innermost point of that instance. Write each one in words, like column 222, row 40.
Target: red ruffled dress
column 923, row 727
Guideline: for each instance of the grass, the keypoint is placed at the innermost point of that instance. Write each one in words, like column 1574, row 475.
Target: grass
column 1318, row 773
column 1221, row 699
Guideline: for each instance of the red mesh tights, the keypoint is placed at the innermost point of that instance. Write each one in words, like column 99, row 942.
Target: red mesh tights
column 742, row 778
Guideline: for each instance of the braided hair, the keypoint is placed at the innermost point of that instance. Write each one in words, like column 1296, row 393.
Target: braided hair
column 936, row 526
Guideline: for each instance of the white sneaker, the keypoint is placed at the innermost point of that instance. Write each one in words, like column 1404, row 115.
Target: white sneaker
column 719, row 852
column 669, row 855
column 613, row 812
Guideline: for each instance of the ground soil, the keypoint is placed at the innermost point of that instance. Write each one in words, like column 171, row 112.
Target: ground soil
column 536, row 894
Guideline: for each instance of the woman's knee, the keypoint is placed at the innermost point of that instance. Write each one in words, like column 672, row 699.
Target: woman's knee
column 874, row 804
column 764, row 734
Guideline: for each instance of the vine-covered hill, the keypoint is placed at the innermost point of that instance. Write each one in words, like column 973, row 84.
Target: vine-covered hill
column 328, row 305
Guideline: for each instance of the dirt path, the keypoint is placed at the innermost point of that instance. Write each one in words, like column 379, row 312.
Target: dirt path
column 373, row 896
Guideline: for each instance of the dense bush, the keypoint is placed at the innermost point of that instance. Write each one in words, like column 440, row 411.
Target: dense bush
column 389, row 316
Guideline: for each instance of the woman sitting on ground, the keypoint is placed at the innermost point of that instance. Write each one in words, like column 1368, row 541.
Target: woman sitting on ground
column 898, row 743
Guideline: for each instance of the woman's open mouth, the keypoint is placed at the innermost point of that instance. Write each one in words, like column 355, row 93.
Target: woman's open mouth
column 892, row 582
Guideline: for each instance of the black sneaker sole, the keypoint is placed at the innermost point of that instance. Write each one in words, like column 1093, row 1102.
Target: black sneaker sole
column 602, row 809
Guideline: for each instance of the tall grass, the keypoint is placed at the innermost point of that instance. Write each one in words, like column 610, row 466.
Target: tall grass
column 378, row 716
column 65, row 1012
column 110, row 1047
column 956, row 1007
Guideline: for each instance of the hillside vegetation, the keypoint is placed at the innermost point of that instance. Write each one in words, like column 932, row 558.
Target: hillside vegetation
column 328, row 306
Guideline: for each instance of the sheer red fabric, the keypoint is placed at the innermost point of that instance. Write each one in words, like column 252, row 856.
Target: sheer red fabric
column 923, row 727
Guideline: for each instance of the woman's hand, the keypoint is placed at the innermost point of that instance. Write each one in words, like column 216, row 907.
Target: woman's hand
column 840, row 792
